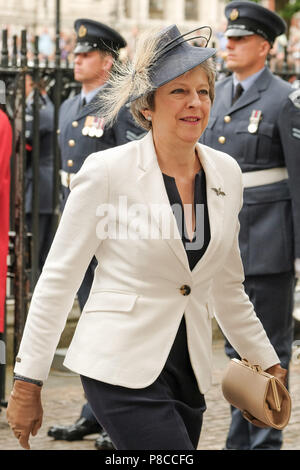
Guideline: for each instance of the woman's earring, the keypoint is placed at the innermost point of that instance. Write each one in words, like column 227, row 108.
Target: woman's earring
column 149, row 117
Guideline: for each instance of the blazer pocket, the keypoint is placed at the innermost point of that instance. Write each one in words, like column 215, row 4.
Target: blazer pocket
column 110, row 302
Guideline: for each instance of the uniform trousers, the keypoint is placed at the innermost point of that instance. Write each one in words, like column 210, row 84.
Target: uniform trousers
column 167, row 415
column 273, row 299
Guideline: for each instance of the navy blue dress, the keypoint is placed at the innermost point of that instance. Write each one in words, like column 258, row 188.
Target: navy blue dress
column 167, row 415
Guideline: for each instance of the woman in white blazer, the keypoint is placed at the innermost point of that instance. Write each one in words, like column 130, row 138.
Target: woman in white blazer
column 161, row 216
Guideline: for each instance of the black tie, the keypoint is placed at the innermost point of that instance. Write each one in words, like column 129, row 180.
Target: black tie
column 83, row 102
column 238, row 91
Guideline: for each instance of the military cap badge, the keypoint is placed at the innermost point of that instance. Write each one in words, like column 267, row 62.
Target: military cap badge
column 234, row 14
column 82, row 31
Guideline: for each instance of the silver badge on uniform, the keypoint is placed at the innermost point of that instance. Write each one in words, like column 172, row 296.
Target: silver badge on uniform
column 254, row 121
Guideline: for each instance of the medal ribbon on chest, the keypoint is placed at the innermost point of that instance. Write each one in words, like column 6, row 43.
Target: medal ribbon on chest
column 93, row 126
column 254, row 121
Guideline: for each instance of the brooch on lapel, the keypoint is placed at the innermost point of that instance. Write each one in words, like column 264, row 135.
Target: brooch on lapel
column 219, row 191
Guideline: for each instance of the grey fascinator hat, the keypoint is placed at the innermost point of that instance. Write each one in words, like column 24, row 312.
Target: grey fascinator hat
column 174, row 56
column 160, row 57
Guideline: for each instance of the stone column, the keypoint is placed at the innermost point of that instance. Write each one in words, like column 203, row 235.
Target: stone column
column 212, row 13
column 140, row 10
column 174, row 11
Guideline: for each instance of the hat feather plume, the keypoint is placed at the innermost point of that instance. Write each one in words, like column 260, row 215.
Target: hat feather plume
column 130, row 78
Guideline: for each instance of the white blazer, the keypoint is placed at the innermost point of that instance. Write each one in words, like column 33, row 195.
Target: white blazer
column 131, row 318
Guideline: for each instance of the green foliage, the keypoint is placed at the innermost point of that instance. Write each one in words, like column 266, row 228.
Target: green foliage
column 290, row 9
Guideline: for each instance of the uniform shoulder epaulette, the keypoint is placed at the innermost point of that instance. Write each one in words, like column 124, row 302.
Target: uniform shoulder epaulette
column 295, row 98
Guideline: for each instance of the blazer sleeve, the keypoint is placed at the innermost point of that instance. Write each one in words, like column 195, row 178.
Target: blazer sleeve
column 235, row 313
column 74, row 245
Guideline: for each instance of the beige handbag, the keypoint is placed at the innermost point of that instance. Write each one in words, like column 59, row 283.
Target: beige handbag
column 261, row 397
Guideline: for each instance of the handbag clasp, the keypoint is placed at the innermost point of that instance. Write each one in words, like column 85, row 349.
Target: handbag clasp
column 255, row 367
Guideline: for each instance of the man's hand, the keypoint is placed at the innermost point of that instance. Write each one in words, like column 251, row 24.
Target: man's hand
column 24, row 411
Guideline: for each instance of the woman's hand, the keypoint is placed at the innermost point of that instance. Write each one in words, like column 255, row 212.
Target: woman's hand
column 279, row 373
column 24, row 411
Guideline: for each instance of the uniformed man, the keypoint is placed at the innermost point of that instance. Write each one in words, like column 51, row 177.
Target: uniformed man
column 45, row 183
column 256, row 120
column 82, row 131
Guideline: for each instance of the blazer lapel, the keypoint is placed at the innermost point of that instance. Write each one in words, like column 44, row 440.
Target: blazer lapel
column 153, row 189
column 215, row 202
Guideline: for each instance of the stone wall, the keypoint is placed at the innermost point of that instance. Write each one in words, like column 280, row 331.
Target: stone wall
column 122, row 14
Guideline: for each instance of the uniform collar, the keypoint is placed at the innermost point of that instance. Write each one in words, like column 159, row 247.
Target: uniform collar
column 248, row 82
column 90, row 95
